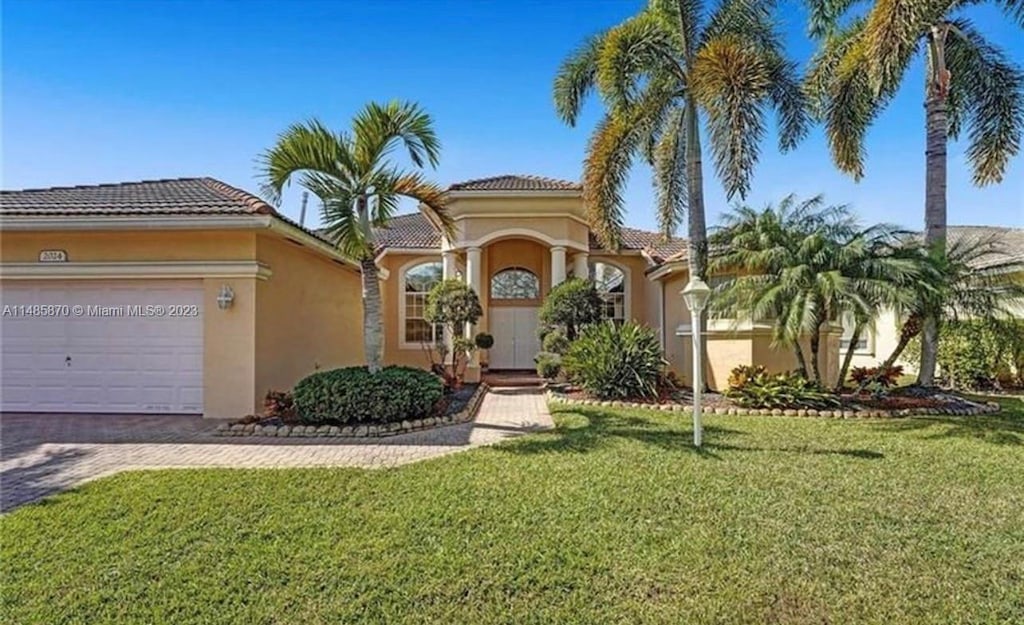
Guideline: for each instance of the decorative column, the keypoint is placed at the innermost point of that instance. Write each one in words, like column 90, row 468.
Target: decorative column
column 473, row 280
column 557, row 265
column 580, row 265
column 448, row 269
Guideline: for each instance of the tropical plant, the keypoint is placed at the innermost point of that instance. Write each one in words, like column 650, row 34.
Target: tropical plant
column 549, row 365
column 571, row 306
column 803, row 264
column 613, row 361
column 976, row 278
column 660, row 74
column 556, row 343
column 453, row 305
column 483, row 340
column 359, row 188
column 886, row 378
column 978, row 353
column 970, row 86
column 755, row 388
column 357, row 395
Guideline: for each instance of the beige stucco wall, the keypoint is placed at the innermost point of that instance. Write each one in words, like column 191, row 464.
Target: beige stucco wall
column 309, row 315
column 392, row 290
column 276, row 330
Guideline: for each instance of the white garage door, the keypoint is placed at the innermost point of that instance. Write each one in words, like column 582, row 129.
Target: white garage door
column 102, row 346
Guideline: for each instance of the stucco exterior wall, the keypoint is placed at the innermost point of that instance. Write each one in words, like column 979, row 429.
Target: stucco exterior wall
column 392, row 296
column 277, row 328
column 308, row 315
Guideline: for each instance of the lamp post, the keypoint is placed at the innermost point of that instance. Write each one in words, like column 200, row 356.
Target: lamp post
column 696, row 294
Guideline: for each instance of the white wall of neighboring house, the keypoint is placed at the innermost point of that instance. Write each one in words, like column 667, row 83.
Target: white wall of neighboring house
column 881, row 339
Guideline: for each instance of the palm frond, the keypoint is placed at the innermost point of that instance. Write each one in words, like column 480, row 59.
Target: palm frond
column 730, row 81
column 575, row 79
column 379, row 126
column 306, row 147
column 670, row 176
column 987, row 96
column 638, row 48
column 342, row 227
column 893, row 31
column 605, row 172
column 433, row 200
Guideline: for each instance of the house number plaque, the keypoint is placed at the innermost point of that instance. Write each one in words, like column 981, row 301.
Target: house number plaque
column 53, row 256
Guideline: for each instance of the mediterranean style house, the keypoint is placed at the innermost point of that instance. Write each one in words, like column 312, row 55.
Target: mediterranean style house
column 192, row 296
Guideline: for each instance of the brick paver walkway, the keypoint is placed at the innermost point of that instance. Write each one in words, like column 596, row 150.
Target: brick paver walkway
column 44, row 454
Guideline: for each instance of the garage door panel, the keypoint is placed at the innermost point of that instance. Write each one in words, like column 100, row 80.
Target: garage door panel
column 118, row 363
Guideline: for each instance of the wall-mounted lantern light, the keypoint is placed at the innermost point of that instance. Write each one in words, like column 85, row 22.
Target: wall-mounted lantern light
column 226, row 297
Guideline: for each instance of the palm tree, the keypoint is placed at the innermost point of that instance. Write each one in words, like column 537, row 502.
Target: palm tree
column 972, row 279
column 659, row 74
column 359, row 188
column 802, row 265
column 970, row 84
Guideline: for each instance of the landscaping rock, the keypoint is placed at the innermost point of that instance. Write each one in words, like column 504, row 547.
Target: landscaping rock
column 334, row 430
column 360, row 431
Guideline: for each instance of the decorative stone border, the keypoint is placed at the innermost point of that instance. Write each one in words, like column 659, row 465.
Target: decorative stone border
column 379, row 430
column 979, row 409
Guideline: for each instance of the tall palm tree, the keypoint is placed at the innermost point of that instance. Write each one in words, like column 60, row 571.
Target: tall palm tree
column 660, row 74
column 970, row 84
column 801, row 265
column 359, row 187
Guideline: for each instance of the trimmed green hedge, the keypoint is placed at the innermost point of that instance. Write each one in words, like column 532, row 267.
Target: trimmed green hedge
column 354, row 395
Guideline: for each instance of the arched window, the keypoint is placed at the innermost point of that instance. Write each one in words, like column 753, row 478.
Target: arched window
column 515, row 283
column 419, row 279
column 611, row 284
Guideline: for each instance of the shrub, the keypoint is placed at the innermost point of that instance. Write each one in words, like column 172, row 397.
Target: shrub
column 453, row 304
column 556, row 343
column 885, row 379
column 354, row 395
column 483, row 340
column 616, row 361
column 977, row 353
column 279, row 405
column 755, row 388
column 571, row 306
column 548, row 365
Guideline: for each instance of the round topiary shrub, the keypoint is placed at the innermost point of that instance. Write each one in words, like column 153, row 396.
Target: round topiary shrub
column 354, row 395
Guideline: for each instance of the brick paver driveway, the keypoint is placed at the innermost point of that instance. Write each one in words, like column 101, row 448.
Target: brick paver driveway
column 44, row 454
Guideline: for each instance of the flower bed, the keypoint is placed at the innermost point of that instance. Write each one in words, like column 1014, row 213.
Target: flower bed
column 852, row 406
column 460, row 407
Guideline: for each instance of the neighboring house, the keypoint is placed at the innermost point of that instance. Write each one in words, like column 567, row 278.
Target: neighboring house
column 879, row 340
column 260, row 302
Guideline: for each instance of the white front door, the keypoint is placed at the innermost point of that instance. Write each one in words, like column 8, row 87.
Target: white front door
column 102, row 346
column 515, row 337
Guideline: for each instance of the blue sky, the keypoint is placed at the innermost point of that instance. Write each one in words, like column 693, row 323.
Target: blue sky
column 107, row 91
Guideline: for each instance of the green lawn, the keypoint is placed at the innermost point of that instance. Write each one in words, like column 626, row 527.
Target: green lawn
column 613, row 518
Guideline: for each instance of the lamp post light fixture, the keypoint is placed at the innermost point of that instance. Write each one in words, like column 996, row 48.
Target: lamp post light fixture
column 696, row 295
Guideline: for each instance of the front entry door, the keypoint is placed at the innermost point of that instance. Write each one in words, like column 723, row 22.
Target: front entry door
column 515, row 337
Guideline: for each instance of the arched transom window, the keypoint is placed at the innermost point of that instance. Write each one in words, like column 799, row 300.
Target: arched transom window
column 515, row 283
column 611, row 284
column 419, row 279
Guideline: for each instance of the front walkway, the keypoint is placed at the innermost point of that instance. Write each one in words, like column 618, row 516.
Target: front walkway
column 45, row 454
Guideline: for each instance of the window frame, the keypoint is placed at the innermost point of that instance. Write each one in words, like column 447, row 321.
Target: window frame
column 403, row 316
column 538, row 294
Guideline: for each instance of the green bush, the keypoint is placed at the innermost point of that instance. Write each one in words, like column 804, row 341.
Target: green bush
column 753, row 387
column 616, row 361
column 483, row 340
column 354, row 395
column 548, row 365
column 571, row 306
column 556, row 343
column 976, row 354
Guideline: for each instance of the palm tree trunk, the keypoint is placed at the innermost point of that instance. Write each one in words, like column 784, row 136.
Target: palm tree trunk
column 801, row 362
column 815, row 350
column 848, row 358
column 911, row 328
column 937, row 129
column 697, row 235
column 372, row 334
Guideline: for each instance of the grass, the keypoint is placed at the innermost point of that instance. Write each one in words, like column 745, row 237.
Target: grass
column 613, row 518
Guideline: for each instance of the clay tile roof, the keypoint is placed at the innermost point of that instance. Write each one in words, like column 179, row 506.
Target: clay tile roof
column 656, row 246
column 513, row 182
column 412, row 231
column 180, row 196
column 1008, row 242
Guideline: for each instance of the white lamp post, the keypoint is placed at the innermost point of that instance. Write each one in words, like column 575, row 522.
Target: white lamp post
column 696, row 294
